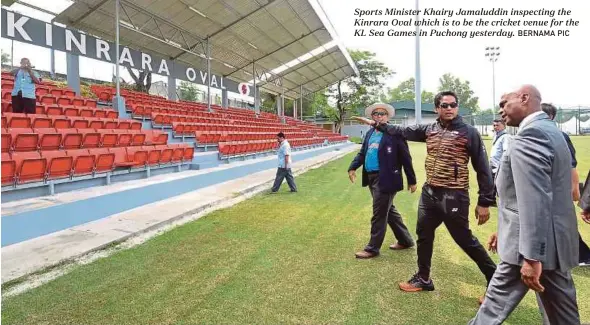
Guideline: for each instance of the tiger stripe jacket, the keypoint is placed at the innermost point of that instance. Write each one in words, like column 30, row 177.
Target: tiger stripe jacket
column 448, row 151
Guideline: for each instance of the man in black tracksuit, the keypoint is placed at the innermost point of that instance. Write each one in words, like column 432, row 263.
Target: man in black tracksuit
column 382, row 157
column 450, row 144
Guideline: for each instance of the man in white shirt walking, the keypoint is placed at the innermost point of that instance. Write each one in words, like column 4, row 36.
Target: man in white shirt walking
column 284, row 170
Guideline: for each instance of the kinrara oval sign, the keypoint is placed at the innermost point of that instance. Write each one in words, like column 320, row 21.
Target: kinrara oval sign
column 33, row 31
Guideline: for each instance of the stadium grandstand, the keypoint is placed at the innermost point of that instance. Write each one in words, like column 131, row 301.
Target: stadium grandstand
column 114, row 135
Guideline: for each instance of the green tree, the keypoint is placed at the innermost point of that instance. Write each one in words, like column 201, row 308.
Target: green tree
column 405, row 91
column 5, row 58
column 317, row 105
column 143, row 80
column 463, row 90
column 188, row 91
column 427, row 97
column 268, row 102
column 358, row 91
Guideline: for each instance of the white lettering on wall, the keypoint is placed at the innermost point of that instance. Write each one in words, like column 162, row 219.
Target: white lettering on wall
column 191, row 74
column 48, row 34
column 126, row 57
column 80, row 44
column 146, row 60
column 214, row 81
column 12, row 26
column 102, row 48
column 163, row 67
column 203, row 77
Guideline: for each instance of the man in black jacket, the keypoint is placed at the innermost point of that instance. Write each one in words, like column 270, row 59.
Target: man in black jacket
column 450, row 144
column 382, row 157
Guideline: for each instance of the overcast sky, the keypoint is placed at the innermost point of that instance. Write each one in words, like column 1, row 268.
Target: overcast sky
column 559, row 66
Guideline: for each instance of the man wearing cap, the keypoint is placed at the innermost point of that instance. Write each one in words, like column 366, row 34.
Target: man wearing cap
column 382, row 157
column 450, row 144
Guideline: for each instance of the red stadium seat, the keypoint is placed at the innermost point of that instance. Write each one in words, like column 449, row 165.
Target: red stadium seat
column 121, row 158
column 79, row 123
column 109, row 139
column 17, row 120
column 90, row 102
column 6, row 140
column 61, row 122
column 91, row 138
column 83, row 161
column 71, row 139
column 138, row 155
column 49, row 138
column 95, row 123
column 30, row 166
column 24, row 140
column 8, row 169
column 154, row 155
column 41, row 122
column 104, row 161
column 166, row 154
column 53, row 110
column 59, row 164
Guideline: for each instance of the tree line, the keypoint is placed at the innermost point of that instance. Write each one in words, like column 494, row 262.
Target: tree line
column 339, row 101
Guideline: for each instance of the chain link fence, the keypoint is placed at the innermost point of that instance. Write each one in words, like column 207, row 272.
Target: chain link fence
column 573, row 120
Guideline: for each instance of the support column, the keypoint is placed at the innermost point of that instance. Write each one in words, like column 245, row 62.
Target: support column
column 172, row 88
column 301, row 100
column 280, row 111
column 257, row 100
column 73, row 70
column 52, row 68
column 256, row 91
column 208, row 75
column 295, row 108
column 118, row 101
column 224, row 98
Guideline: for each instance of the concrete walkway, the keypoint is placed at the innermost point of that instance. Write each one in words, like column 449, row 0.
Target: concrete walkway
column 28, row 219
column 38, row 253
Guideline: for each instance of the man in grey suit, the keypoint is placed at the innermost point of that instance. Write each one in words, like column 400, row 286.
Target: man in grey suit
column 537, row 226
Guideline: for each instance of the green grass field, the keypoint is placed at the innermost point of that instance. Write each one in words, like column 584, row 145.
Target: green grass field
column 282, row 258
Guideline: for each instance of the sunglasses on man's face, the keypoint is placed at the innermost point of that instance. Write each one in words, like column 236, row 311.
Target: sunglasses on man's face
column 451, row 105
column 379, row 113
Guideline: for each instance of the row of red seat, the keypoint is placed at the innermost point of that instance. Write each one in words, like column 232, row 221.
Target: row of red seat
column 210, row 137
column 68, row 110
column 245, row 147
column 162, row 119
column 168, row 119
column 190, row 128
column 36, row 121
column 257, row 123
column 24, row 167
column 41, row 90
column 237, row 148
column 49, row 99
column 337, row 138
column 54, row 139
column 147, row 111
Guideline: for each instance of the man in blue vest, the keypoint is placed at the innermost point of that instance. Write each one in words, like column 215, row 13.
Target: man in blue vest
column 383, row 156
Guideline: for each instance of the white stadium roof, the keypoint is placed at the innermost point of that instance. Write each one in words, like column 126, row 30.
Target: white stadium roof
column 291, row 41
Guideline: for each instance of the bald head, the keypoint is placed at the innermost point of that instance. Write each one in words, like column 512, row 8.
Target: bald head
column 534, row 95
column 517, row 105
